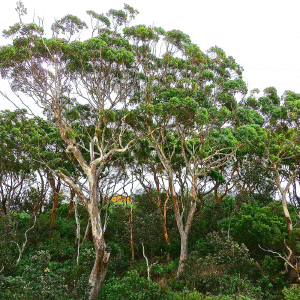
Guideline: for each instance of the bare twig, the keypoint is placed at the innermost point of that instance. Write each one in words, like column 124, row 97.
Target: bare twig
column 147, row 262
column 21, row 250
column 286, row 259
column 77, row 230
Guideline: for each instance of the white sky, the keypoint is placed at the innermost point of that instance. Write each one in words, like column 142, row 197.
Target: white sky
column 262, row 35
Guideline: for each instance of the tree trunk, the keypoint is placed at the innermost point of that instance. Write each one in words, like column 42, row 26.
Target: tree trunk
column 71, row 205
column 286, row 212
column 99, row 270
column 102, row 252
column 165, row 227
column 183, row 253
column 55, row 190
column 37, row 205
column 184, row 231
column 131, row 236
column 88, row 233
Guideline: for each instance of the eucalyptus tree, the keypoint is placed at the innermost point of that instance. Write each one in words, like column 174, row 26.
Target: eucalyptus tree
column 83, row 87
column 45, row 148
column 252, row 174
column 120, row 85
column 187, row 99
column 282, row 154
column 282, row 145
column 15, row 167
column 27, row 163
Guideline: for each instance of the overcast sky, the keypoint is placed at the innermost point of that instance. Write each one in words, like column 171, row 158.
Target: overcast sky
column 262, row 35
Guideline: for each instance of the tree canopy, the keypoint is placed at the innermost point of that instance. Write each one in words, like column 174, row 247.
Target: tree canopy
column 125, row 104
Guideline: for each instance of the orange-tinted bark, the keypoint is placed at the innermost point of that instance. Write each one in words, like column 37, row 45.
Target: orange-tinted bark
column 71, row 205
column 131, row 236
column 55, row 190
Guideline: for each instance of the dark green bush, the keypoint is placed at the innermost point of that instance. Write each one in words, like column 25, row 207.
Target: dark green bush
column 221, row 266
column 131, row 287
column 257, row 225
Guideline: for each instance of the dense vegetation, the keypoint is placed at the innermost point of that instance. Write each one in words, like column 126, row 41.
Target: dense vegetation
column 151, row 175
column 225, row 261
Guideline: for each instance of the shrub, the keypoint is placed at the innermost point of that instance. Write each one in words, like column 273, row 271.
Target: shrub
column 292, row 293
column 187, row 295
column 221, row 265
column 258, row 225
column 131, row 287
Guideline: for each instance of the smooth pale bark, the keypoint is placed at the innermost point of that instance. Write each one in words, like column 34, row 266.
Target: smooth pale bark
column 183, row 229
column 88, row 233
column 283, row 192
column 183, row 253
column 184, row 235
column 77, row 231
column 49, row 90
column 102, row 253
column 286, row 212
column 98, row 273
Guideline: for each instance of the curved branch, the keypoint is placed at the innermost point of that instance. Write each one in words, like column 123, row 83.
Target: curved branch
column 72, row 185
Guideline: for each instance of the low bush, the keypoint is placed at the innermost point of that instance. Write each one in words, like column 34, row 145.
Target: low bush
column 131, row 287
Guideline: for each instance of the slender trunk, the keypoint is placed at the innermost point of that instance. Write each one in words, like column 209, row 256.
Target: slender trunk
column 131, row 236
column 55, row 190
column 163, row 211
column 286, row 213
column 71, row 205
column 165, row 222
column 283, row 193
column 77, row 231
column 165, row 227
column 41, row 196
column 88, row 233
column 291, row 262
column 102, row 252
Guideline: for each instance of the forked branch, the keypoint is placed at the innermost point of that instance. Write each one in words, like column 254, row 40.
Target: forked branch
column 287, row 260
column 21, row 250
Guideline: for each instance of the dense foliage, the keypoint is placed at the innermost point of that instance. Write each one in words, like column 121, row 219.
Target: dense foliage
column 151, row 175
